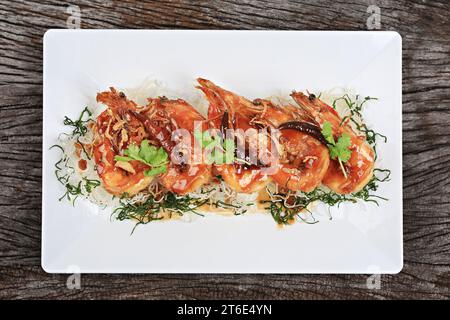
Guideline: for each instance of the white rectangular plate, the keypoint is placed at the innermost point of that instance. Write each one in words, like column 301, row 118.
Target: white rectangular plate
column 360, row 238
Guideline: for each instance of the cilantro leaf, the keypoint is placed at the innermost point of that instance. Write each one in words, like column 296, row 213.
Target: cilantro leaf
column 122, row 158
column 161, row 157
column 132, row 153
column 204, row 138
column 216, row 152
column 340, row 149
column 199, row 136
column 207, row 139
column 327, row 132
column 333, row 152
column 229, row 146
column 147, row 154
column 147, row 151
column 343, row 145
column 155, row 171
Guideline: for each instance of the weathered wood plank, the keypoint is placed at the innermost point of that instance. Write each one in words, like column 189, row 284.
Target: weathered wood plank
column 425, row 28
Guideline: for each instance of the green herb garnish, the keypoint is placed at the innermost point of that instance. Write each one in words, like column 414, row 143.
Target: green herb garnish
column 62, row 168
column 79, row 125
column 238, row 209
column 151, row 209
column 218, row 150
column 150, row 155
column 338, row 150
column 284, row 214
column 73, row 191
column 355, row 108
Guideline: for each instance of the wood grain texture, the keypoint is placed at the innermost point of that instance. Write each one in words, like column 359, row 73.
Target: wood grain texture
column 425, row 28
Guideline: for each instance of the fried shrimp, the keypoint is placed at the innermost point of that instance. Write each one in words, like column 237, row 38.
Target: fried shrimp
column 304, row 157
column 228, row 111
column 171, row 124
column 359, row 168
column 115, row 129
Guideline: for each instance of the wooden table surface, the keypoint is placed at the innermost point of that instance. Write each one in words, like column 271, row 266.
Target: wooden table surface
column 425, row 28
